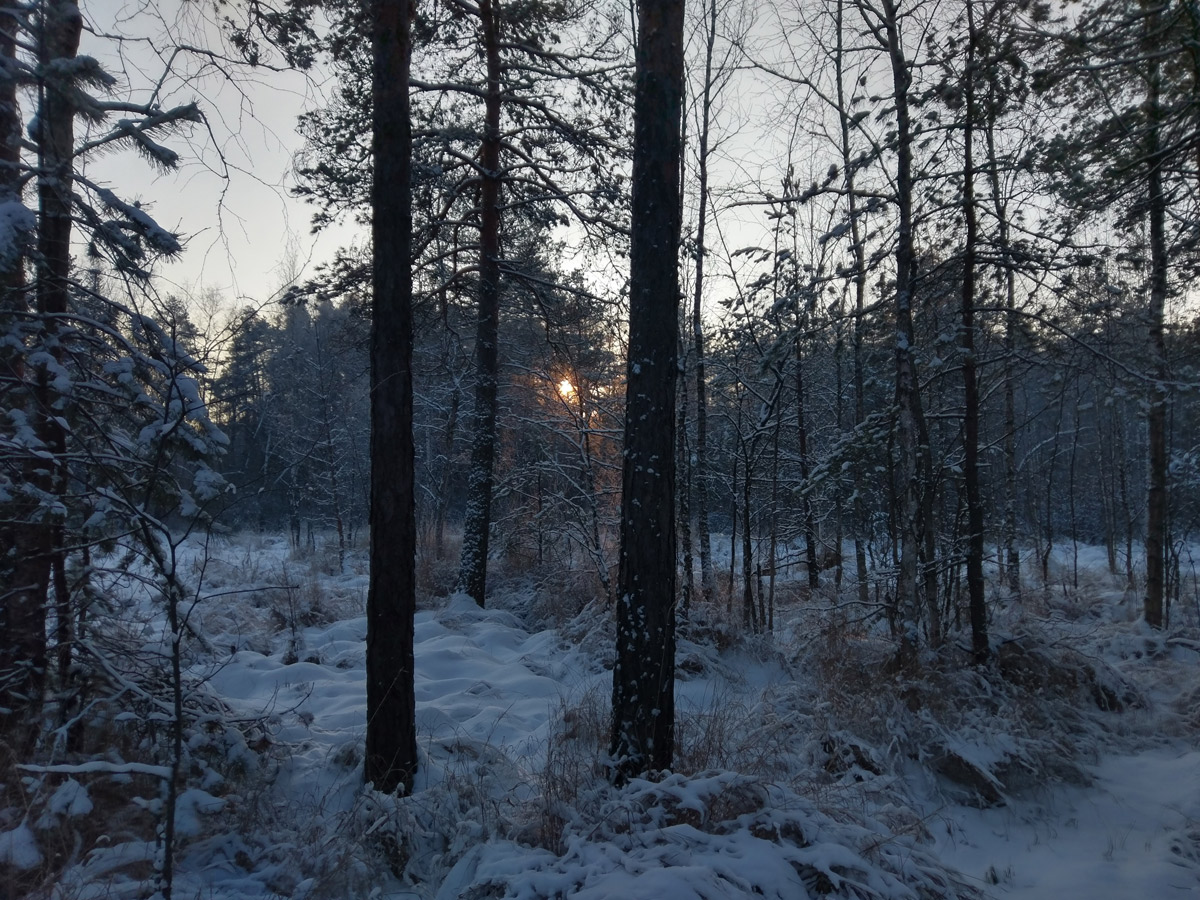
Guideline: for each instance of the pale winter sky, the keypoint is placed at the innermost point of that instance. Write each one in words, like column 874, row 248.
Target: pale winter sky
column 230, row 196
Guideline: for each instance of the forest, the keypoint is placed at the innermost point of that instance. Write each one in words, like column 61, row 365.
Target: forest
column 741, row 448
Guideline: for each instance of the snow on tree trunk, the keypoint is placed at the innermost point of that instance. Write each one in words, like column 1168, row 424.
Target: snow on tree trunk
column 643, row 707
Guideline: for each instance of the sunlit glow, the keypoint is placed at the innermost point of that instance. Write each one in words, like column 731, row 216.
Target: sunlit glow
column 565, row 389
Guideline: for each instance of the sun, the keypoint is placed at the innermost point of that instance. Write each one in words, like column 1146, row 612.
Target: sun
column 566, row 390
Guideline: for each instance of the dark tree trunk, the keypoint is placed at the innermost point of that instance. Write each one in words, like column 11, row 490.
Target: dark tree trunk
column 36, row 540
column 444, row 479
column 860, row 291
column 975, row 586
column 685, row 505
column 769, row 618
column 748, row 619
column 12, row 277
column 908, row 487
column 810, row 528
column 643, row 706
column 700, row 475
column 478, row 516
column 391, row 752
column 733, row 529
column 1156, row 420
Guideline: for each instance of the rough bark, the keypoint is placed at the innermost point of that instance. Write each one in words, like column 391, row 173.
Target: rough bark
column 643, row 707
column 478, row 516
column 391, row 750
column 975, row 586
column 22, row 614
column 684, row 471
column 1156, row 420
column 36, row 539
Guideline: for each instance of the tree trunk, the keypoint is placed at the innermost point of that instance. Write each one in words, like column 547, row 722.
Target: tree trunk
column 1012, row 558
column 447, row 455
column 975, row 586
column 685, row 506
column 860, row 290
column 748, row 618
column 1156, row 420
column 774, row 542
column 478, row 517
column 37, row 539
column 391, row 751
column 908, row 485
column 700, row 480
column 733, row 530
column 643, row 705
column 810, row 528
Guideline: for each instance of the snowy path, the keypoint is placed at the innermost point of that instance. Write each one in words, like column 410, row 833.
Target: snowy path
column 1124, row 838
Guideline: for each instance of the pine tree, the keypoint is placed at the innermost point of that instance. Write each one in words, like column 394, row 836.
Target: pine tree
column 643, row 708
column 391, row 754
column 1129, row 154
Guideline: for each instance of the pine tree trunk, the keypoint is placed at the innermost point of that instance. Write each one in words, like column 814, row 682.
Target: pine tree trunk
column 391, row 747
column 36, row 540
column 700, row 479
column 643, row 705
column 478, row 517
column 12, row 276
column 1011, row 561
column 858, row 248
column 63, row 27
column 975, row 586
column 1156, row 420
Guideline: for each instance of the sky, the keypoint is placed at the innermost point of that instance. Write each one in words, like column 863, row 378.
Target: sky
column 230, row 196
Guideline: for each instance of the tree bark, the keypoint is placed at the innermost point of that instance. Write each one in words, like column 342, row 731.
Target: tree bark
column 391, row 751
column 975, row 586
column 748, row 618
column 643, row 705
column 908, row 485
column 22, row 606
column 806, row 506
column 478, row 517
column 1156, row 421
column 700, row 480
column 37, row 539
column 860, row 291
column 685, row 506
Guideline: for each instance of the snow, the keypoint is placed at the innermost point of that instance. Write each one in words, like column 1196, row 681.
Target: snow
column 18, row 848
column 70, row 799
column 795, row 780
column 16, row 223
column 1132, row 833
column 98, row 765
column 190, row 806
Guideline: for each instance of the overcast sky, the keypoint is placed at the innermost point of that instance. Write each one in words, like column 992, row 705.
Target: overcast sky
column 230, row 196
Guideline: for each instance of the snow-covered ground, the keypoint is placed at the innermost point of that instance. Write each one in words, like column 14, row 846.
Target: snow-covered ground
column 1132, row 833
column 806, row 769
